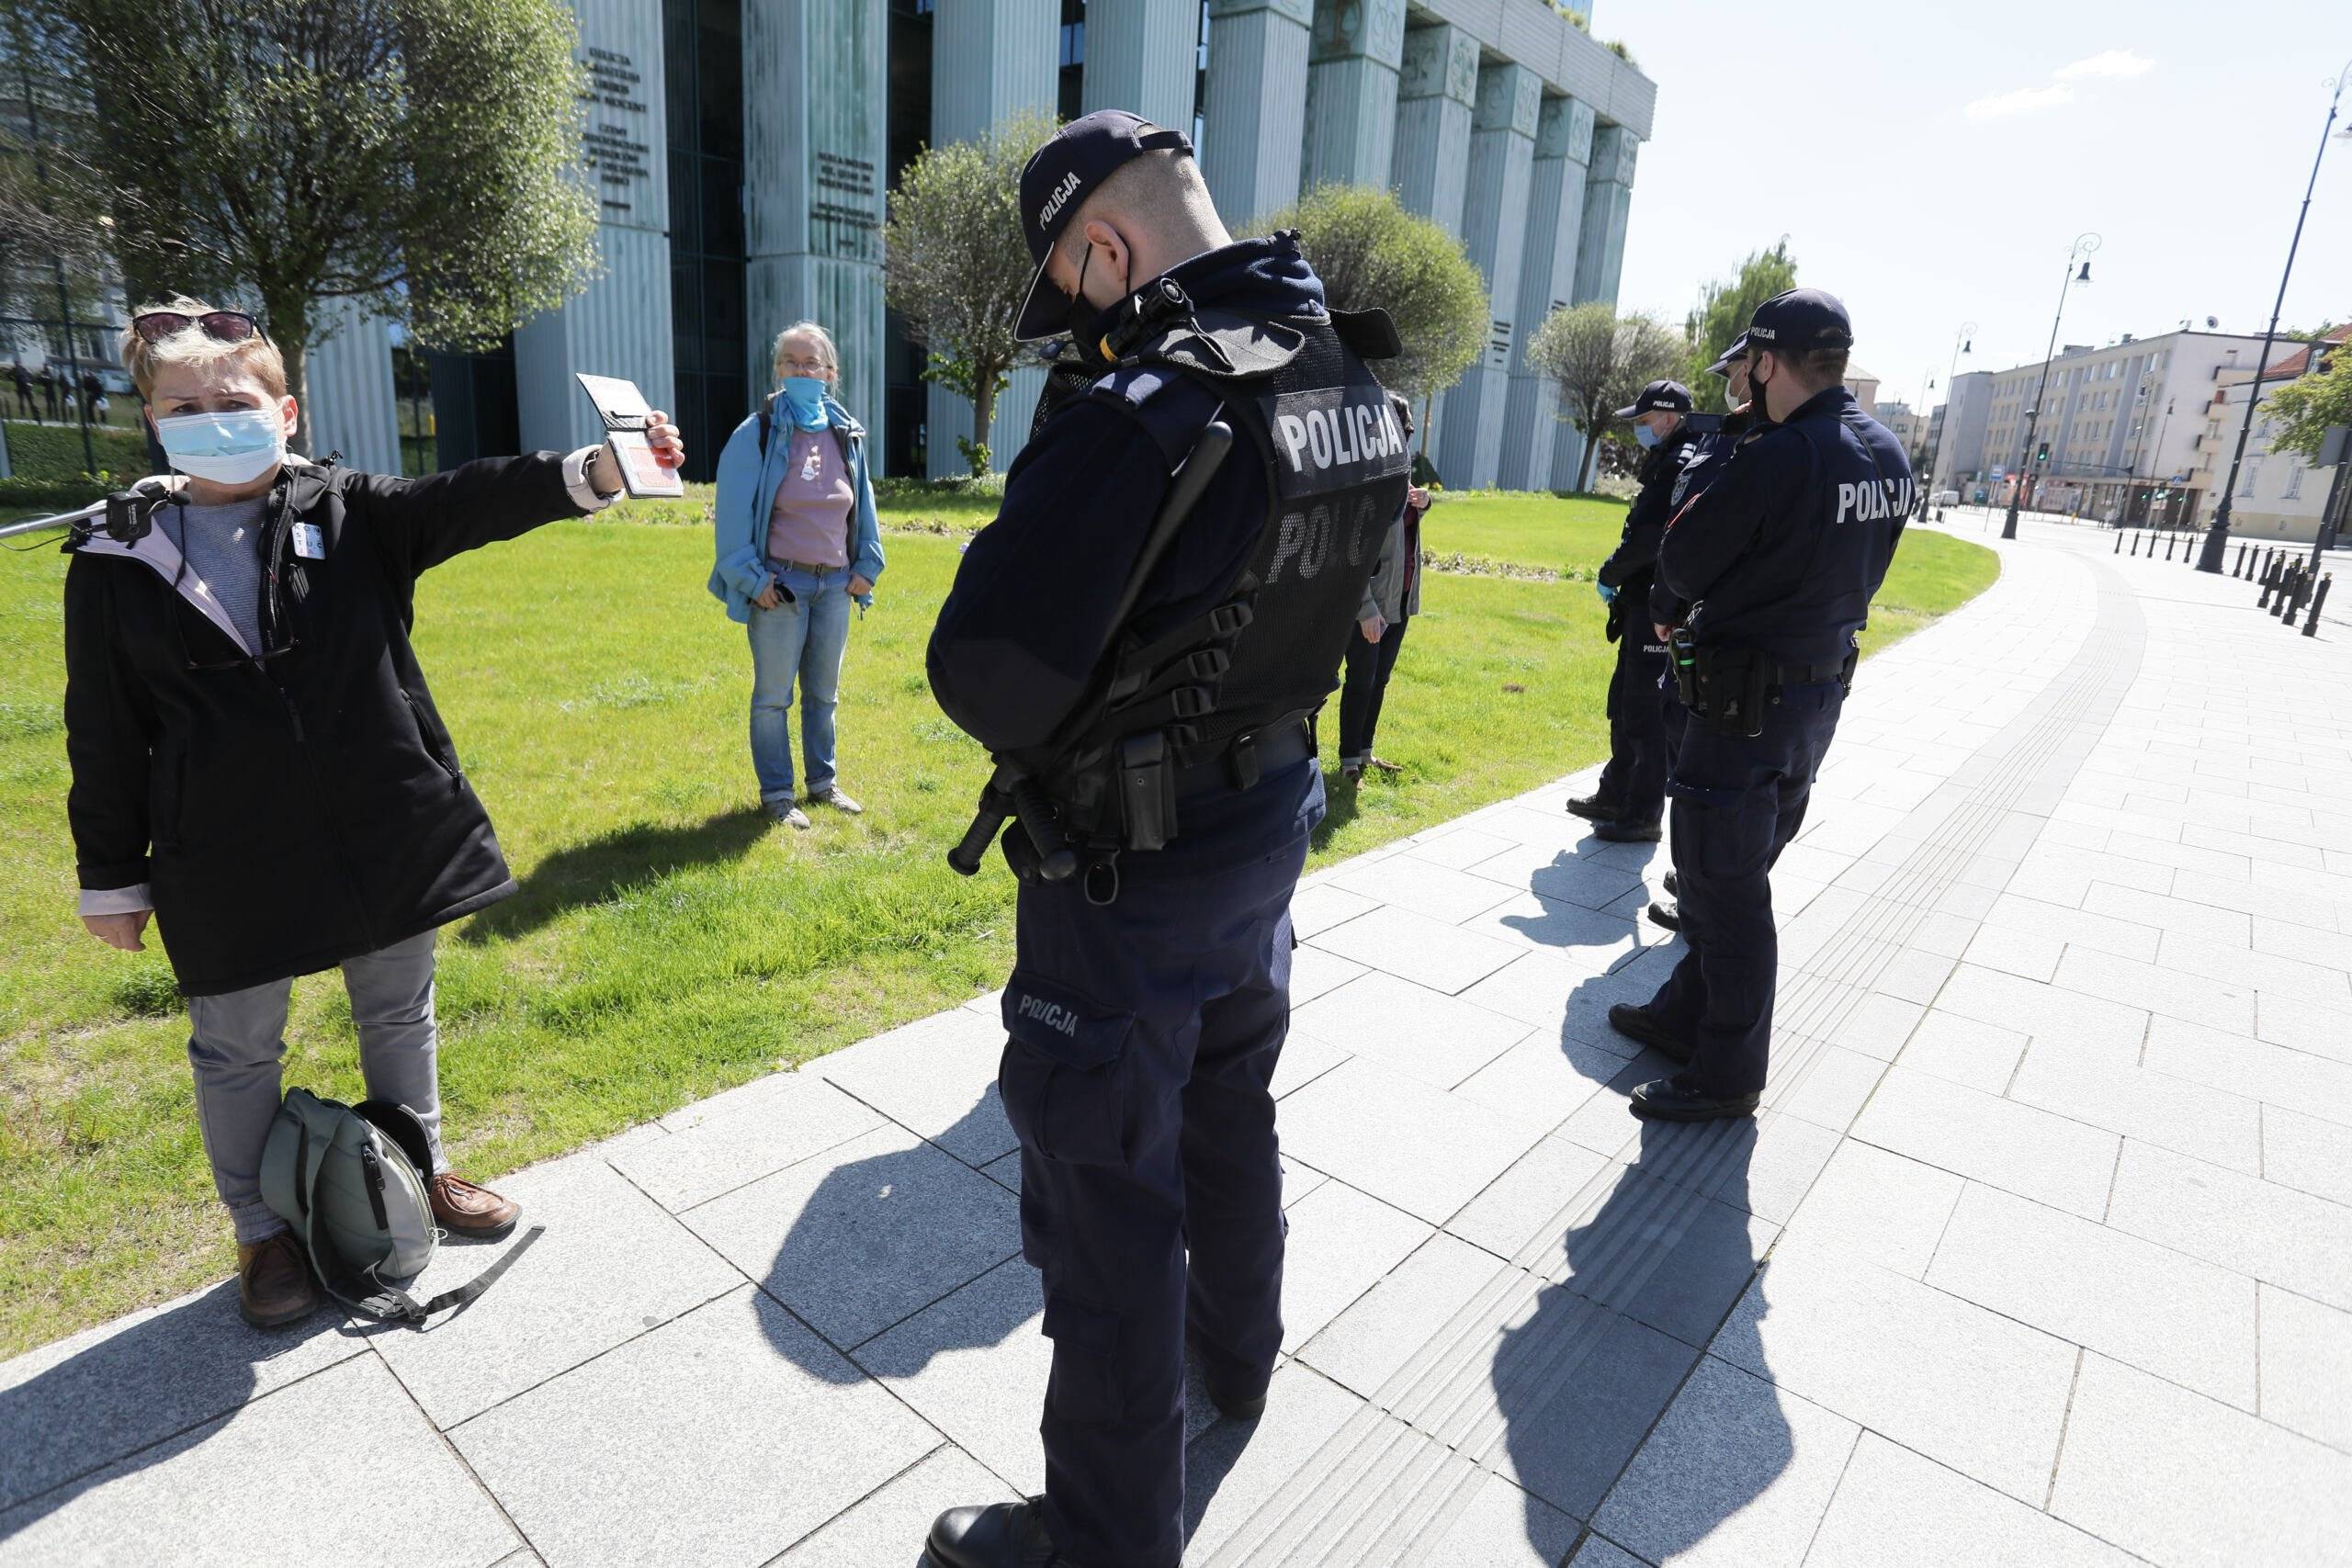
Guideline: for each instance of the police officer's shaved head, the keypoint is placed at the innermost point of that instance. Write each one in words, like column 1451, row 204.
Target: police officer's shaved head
column 1158, row 196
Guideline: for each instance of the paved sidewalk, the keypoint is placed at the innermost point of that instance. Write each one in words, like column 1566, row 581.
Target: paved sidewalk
column 2040, row 1251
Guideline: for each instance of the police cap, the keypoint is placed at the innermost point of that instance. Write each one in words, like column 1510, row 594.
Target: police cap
column 1799, row 321
column 1058, row 178
column 1730, row 358
column 1672, row 397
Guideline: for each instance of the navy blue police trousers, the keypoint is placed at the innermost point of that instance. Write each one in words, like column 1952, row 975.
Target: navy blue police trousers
column 1635, row 780
column 1736, row 804
column 1143, row 1038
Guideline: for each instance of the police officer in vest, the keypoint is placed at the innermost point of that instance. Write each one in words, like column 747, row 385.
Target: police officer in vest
column 1172, row 751
column 1709, row 450
column 1630, row 801
column 1778, row 559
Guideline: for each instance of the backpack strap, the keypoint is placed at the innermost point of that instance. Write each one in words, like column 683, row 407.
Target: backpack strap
column 366, row 1295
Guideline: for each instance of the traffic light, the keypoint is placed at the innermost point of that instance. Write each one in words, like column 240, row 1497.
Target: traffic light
column 2041, row 452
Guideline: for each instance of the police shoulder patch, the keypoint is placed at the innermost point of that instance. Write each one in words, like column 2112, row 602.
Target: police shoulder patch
column 1168, row 403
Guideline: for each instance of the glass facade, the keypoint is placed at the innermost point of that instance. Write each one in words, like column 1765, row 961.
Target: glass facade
column 703, row 56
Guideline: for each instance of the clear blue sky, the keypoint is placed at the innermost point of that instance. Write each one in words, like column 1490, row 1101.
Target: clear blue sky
column 1951, row 153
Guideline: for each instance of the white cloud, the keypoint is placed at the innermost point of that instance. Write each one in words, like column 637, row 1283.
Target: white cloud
column 2112, row 62
column 2023, row 100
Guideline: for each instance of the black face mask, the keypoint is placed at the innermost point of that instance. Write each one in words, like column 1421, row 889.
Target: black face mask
column 1757, row 406
column 1079, row 317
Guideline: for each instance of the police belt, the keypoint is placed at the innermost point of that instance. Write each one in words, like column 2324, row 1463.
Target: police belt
column 1250, row 758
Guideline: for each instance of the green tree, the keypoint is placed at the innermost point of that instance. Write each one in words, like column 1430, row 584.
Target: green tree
column 1723, row 308
column 1369, row 251
column 956, row 264
column 2306, row 407
column 1602, row 361
column 420, row 156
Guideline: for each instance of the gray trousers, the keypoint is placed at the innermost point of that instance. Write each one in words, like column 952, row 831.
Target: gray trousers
column 236, row 1042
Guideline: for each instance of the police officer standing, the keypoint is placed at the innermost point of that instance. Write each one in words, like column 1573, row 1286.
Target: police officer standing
column 1709, row 450
column 1778, row 559
column 1630, row 801
column 1151, row 992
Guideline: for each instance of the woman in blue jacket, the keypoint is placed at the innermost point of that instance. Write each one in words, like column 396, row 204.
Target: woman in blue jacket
column 797, row 541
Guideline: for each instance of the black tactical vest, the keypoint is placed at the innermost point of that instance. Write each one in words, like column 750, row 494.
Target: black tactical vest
column 1305, row 406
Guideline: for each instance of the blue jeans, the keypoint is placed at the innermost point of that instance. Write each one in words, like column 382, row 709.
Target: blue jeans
column 800, row 640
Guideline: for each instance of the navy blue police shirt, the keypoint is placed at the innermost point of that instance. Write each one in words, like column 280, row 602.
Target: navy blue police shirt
column 1701, row 469
column 1629, row 566
column 1783, row 553
column 1029, row 616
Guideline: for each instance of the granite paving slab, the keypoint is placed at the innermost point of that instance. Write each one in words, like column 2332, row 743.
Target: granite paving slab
column 853, row 1246
column 1894, row 1506
column 610, row 1464
column 297, row 1475
column 537, row 1321
column 70, row 1407
column 937, row 1077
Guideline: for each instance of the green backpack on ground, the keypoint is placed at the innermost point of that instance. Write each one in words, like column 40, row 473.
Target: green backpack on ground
column 348, row 1179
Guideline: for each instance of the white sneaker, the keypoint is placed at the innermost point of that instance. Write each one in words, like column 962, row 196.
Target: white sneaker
column 788, row 813
column 839, row 801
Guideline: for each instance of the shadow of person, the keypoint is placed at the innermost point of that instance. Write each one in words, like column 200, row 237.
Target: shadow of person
column 1340, row 807
column 1635, row 1293
column 902, row 1257
column 590, row 872
column 136, row 1394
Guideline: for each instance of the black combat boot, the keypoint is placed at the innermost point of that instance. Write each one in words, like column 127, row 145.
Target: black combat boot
column 993, row 1535
column 1663, row 1099
column 1595, row 807
column 1641, row 1025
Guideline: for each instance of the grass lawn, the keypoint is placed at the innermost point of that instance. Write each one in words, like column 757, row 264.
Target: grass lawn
column 668, row 942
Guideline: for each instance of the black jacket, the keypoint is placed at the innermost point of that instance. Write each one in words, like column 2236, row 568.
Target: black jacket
column 1784, row 551
column 293, row 806
column 1632, row 567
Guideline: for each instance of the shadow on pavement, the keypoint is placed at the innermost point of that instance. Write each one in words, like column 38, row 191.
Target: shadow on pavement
column 854, row 1267
column 143, row 1392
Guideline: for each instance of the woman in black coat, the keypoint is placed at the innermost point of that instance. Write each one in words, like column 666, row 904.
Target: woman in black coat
column 257, row 759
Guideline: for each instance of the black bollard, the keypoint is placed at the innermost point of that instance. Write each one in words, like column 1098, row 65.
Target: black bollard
column 2167, row 547
column 2290, row 594
column 2269, row 581
column 2241, row 568
column 2319, row 597
column 2118, row 543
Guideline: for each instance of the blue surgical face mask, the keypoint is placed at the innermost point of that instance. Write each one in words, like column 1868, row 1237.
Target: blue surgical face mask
column 804, row 399
column 1646, row 436
column 231, row 448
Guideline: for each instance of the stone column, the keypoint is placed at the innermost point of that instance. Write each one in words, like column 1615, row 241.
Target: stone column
column 1256, row 112
column 1608, row 203
column 1601, row 255
column 990, row 60
column 1436, row 86
column 1546, row 276
column 1494, row 229
column 814, row 153
column 1143, row 56
column 352, row 407
column 1352, row 61
column 620, row 326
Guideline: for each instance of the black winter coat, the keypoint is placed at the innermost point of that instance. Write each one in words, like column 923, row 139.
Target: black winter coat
column 289, row 810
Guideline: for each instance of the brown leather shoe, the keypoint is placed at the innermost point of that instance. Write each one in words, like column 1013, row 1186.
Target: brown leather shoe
column 463, row 1209
column 274, row 1283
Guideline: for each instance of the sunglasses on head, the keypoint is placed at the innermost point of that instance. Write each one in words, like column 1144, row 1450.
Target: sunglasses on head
column 221, row 326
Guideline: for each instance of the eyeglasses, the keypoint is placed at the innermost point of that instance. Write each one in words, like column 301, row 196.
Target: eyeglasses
column 221, row 326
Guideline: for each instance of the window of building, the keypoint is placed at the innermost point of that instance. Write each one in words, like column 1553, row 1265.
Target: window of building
column 2253, row 467
column 2294, row 482
column 701, row 57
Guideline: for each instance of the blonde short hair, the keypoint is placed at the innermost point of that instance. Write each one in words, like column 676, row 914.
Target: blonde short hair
column 193, row 346
column 825, row 349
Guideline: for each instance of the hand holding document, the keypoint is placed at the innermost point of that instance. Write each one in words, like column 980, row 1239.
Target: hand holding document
column 645, row 447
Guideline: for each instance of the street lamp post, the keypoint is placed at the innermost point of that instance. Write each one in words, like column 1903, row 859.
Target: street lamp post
column 2082, row 249
column 2216, row 538
column 1963, row 342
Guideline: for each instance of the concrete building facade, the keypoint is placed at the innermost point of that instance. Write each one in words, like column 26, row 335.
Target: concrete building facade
column 742, row 153
column 2279, row 495
column 2122, row 424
